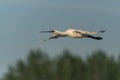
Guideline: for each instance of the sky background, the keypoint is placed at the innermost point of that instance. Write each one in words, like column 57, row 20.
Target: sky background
column 22, row 20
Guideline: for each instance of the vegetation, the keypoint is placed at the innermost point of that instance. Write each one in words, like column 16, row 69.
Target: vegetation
column 38, row 66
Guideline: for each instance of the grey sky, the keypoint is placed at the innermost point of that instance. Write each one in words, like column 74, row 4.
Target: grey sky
column 21, row 21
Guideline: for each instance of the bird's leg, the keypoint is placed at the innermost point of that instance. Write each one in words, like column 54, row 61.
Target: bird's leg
column 102, row 31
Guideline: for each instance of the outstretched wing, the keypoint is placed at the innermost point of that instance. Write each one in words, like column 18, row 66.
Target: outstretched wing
column 81, row 33
column 55, row 36
column 89, row 36
column 93, row 37
column 85, row 32
column 89, row 32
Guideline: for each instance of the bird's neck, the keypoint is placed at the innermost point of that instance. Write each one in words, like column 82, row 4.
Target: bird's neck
column 60, row 32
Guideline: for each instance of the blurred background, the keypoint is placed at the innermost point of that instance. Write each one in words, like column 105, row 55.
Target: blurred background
column 22, row 20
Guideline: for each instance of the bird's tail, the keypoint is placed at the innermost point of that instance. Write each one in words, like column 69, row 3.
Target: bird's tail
column 93, row 37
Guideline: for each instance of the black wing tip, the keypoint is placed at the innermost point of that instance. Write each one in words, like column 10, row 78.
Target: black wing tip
column 98, row 38
column 93, row 37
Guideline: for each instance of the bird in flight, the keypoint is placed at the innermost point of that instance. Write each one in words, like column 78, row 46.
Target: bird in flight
column 73, row 33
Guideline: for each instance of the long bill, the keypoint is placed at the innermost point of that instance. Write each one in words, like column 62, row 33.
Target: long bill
column 46, row 31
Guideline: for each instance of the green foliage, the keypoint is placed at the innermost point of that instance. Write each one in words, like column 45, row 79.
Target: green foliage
column 38, row 66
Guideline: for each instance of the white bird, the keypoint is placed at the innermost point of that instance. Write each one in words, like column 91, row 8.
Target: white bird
column 73, row 33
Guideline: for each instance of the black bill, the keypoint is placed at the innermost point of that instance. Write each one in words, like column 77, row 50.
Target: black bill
column 46, row 31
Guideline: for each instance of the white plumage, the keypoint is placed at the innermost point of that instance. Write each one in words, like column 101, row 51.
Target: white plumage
column 73, row 33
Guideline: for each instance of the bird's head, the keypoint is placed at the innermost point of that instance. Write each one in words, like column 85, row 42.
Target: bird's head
column 55, row 31
column 52, row 31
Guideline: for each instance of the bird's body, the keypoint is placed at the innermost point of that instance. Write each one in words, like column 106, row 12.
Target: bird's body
column 73, row 33
column 76, row 33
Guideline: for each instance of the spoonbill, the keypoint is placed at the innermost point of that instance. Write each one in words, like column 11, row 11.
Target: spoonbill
column 73, row 33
